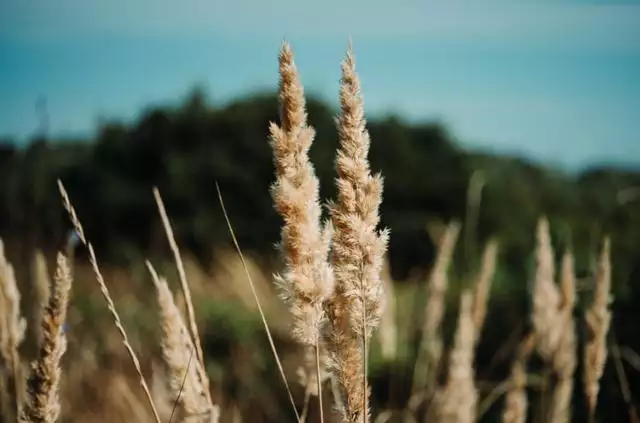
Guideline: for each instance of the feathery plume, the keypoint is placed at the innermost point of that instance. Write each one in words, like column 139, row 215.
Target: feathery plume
column 12, row 324
column 554, row 324
column 457, row 401
column 308, row 378
column 430, row 349
column 598, row 319
column 357, row 250
column 12, row 332
column 564, row 359
column 188, row 383
column 516, row 403
column 43, row 401
column 307, row 280
column 546, row 297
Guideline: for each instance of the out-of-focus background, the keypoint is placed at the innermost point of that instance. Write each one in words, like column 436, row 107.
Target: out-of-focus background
column 491, row 113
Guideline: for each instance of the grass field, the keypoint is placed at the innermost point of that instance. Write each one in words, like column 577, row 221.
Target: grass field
column 324, row 334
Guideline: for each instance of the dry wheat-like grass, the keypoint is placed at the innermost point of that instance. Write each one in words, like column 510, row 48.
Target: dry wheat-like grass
column 483, row 286
column 357, row 250
column 188, row 382
column 107, row 296
column 206, row 409
column 546, row 297
column 430, row 348
column 13, row 325
column 193, row 326
column 307, row 281
column 456, row 402
column 516, row 402
column 43, row 403
column 12, row 332
column 554, row 324
column 344, row 286
column 598, row 319
column 564, row 359
column 42, row 291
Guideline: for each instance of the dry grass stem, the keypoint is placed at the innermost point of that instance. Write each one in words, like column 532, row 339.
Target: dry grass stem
column 41, row 292
column 457, row 401
column 12, row 324
column 107, row 296
column 43, row 402
column 357, row 250
column 430, row 349
column 183, row 276
column 483, row 286
column 598, row 318
column 516, row 402
column 546, row 297
column 260, row 310
column 564, row 359
column 307, row 281
column 12, row 332
column 554, row 323
column 188, row 382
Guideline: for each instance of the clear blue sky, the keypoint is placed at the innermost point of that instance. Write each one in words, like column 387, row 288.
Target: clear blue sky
column 557, row 81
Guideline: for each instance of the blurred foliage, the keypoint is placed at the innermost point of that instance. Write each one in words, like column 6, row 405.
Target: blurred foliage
column 186, row 149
